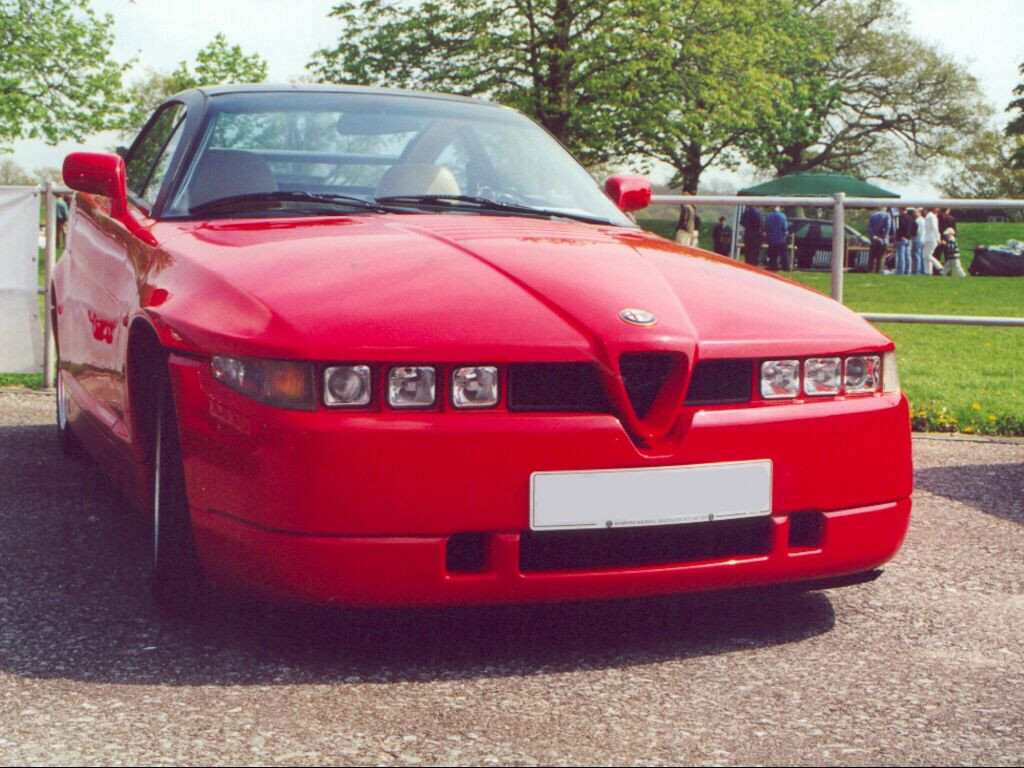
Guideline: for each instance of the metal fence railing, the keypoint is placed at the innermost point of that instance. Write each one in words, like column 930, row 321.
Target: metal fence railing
column 839, row 203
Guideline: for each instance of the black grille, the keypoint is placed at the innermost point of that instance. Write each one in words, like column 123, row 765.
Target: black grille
column 643, row 375
column 720, row 381
column 556, row 387
column 633, row 547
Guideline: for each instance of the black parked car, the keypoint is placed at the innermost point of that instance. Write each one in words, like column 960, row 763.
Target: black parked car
column 813, row 241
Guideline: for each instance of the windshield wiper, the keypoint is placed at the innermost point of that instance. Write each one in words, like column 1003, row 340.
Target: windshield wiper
column 323, row 198
column 486, row 204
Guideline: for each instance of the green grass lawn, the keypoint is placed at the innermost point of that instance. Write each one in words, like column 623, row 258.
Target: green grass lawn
column 957, row 378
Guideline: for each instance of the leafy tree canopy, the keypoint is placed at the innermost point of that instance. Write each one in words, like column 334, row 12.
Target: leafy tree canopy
column 984, row 168
column 883, row 104
column 217, row 63
column 580, row 67
column 729, row 78
column 57, row 80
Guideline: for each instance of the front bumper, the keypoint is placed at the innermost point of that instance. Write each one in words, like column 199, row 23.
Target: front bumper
column 410, row 570
column 358, row 508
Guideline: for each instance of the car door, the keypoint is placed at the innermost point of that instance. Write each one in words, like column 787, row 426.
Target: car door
column 103, row 277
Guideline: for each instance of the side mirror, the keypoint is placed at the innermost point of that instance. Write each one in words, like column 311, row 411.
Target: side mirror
column 629, row 193
column 98, row 174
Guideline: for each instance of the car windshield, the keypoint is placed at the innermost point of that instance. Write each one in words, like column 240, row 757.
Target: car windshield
column 301, row 152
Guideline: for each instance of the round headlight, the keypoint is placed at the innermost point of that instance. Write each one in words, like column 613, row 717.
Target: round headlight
column 347, row 385
column 862, row 374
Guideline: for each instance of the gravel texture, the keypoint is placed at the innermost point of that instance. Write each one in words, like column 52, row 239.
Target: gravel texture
column 923, row 666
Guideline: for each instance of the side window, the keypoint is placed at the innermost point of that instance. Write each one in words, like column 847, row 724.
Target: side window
column 147, row 165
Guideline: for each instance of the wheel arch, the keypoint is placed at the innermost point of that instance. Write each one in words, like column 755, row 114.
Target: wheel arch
column 145, row 362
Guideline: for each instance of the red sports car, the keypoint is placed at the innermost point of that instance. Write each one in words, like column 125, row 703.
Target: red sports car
column 375, row 347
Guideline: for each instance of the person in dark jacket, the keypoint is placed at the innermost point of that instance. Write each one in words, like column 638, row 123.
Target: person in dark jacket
column 905, row 228
column 878, row 230
column 946, row 221
column 753, row 234
column 721, row 237
column 776, row 230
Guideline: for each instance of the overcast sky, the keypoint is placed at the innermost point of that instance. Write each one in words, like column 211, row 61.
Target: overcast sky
column 987, row 35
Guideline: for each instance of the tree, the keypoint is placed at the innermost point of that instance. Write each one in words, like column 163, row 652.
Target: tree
column 57, row 80
column 13, row 175
column 1016, row 125
column 580, row 67
column 217, row 63
column 728, row 68
column 984, row 168
column 883, row 104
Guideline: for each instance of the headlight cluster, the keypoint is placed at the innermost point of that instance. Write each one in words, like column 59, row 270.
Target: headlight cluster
column 820, row 376
column 290, row 384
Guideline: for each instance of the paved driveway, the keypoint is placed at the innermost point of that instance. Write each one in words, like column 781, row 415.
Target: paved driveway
column 925, row 665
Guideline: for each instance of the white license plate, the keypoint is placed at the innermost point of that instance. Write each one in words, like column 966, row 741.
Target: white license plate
column 619, row 498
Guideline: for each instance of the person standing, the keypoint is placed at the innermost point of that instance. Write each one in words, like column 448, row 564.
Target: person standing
column 721, row 237
column 686, row 228
column 776, row 230
column 878, row 230
column 753, row 234
column 904, row 238
column 60, row 208
column 930, row 241
column 919, row 241
column 951, row 252
column 946, row 221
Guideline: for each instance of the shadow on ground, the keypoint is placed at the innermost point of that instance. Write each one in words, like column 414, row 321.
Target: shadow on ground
column 995, row 489
column 74, row 604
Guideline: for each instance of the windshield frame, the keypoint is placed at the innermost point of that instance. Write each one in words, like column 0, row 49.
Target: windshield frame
column 207, row 104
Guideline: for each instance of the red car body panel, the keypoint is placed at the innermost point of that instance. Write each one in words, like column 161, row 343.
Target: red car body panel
column 357, row 506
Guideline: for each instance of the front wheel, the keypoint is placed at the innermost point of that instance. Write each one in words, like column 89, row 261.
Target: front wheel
column 69, row 444
column 178, row 584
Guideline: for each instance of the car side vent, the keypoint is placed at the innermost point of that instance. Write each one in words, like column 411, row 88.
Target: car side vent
column 556, row 387
column 642, row 375
column 720, row 381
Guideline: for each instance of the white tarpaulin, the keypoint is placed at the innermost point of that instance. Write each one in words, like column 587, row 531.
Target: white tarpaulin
column 21, row 335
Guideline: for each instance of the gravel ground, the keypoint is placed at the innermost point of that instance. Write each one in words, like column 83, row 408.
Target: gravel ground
column 923, row 666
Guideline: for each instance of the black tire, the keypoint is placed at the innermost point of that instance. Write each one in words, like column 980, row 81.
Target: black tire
column 178, row 584
column 69, row 444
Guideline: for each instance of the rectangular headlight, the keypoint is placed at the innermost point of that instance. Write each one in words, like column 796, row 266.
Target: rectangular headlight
column 823, row 375
column 862, row 374
column 475, row 386
column 411, row 386
column 347, row 385
column 780, row 379
column 281, row 383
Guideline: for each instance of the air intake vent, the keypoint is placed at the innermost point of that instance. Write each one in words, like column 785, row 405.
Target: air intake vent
column 643, row 375
column 556, row 387
column 720, row 381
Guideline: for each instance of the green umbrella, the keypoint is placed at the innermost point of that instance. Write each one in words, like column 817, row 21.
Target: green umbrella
column 816, row 185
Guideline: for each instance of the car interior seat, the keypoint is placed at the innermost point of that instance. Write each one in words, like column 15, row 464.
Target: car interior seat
column 418, row 179
column 229, row 172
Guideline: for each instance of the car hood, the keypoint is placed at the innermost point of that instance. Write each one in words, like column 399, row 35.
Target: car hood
column 475, row 288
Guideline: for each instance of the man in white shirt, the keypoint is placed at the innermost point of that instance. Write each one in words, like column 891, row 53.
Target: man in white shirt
column 918, row 252
column 930, row 241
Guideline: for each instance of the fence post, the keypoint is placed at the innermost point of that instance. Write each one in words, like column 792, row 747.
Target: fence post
column 49, row 353
column 838, row 245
